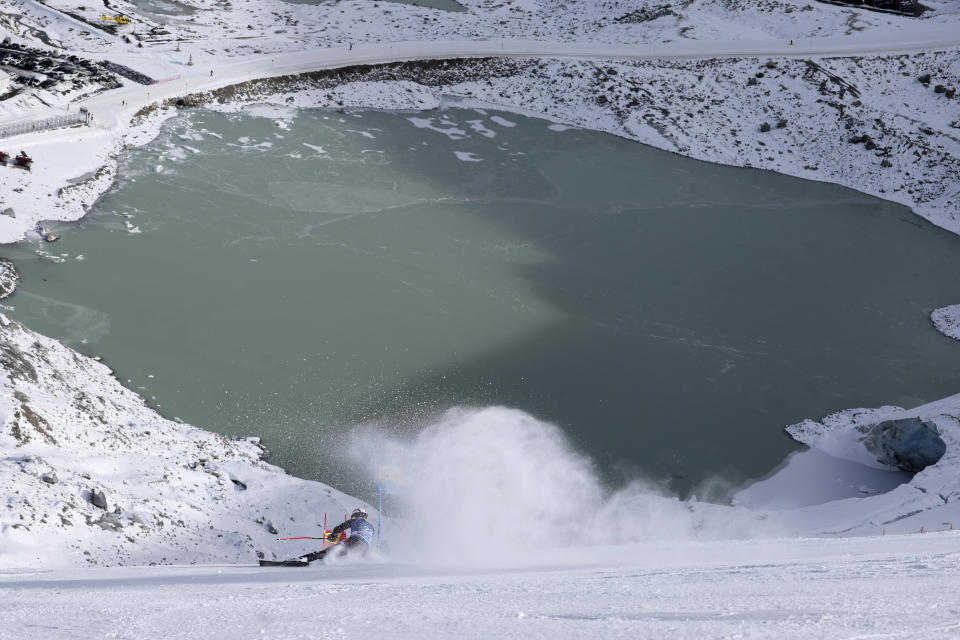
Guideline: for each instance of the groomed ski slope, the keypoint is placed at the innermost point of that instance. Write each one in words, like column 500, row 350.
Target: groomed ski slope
column 880, row 587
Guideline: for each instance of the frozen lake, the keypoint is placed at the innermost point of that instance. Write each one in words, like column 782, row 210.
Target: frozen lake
column 294, row 280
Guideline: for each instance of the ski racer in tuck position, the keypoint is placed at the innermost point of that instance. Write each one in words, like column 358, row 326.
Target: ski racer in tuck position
column 357, row 543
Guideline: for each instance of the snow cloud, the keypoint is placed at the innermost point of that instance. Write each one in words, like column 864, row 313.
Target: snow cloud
column 498, row 486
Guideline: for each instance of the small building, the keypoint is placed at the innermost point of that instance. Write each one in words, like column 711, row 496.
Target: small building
column 4, row 82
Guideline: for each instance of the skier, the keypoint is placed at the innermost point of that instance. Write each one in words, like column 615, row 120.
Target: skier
column 357, row 543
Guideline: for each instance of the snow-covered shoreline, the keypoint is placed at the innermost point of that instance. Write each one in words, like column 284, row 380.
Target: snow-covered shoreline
column 837, row 112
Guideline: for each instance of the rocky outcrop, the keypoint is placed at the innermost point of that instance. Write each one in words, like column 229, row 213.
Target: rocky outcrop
column 93, row 476
column 99, row 499
column 8, row 278
column 908, row 443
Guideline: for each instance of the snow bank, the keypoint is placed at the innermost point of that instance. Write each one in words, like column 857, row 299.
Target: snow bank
column 929, row 500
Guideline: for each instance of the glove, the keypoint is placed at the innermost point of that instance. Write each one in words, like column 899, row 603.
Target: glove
column 332, row 537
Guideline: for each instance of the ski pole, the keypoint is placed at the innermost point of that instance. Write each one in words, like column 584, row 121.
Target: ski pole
column 301, row 538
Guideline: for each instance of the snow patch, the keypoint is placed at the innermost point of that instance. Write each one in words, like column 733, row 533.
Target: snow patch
column 467, row 156
column 947, row 321
column 478, row 126
column 448, row 129
column 365, row 134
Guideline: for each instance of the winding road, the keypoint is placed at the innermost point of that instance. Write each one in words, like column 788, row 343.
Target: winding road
column 115, row 107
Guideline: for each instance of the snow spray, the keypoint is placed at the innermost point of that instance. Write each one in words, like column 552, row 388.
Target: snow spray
column 496, row 485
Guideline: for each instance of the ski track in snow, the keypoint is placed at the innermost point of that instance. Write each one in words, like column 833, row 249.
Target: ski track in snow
column 893, row 587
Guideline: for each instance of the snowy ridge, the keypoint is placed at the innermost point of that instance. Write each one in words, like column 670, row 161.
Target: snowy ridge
column 174, row 493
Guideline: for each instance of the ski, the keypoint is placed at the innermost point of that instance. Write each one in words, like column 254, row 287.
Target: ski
column 284, row 563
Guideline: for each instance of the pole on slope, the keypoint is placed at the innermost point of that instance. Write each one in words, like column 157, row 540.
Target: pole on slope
column 326, row 543
column 379, row 514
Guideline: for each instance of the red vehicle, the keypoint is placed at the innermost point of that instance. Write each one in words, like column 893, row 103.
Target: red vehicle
column 23, row 160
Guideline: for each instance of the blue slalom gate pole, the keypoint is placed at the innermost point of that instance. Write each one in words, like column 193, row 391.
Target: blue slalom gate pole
column 379, row 514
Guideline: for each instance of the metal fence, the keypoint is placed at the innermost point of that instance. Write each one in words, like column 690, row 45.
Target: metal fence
column 9, row 130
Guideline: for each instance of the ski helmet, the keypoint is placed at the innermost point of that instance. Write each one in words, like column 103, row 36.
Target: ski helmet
column 359, row 513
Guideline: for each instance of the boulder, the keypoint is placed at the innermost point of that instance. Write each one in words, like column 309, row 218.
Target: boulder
column 107, row 522
column 99, row 499
column 908, row 443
